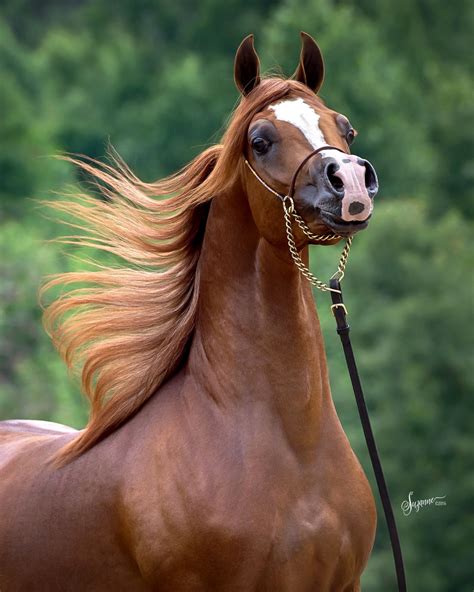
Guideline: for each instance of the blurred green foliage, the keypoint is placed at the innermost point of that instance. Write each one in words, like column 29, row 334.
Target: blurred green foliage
column 155, row 79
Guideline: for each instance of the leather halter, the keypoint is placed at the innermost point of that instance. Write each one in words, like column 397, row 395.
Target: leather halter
column 291, row 190
column 290, row 212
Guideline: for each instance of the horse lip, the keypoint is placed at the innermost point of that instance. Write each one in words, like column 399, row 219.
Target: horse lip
column 342, row 228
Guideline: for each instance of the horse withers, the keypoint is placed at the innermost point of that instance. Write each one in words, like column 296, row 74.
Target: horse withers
column 213, row 459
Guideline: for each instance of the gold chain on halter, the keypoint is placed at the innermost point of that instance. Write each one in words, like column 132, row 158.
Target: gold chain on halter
column 290, row 212
column 289, row 209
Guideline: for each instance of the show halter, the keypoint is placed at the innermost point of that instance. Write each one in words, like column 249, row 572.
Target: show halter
column 340, row 313
column 290, row 212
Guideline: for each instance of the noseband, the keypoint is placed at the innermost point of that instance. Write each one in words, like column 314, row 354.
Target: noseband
column 290, row 212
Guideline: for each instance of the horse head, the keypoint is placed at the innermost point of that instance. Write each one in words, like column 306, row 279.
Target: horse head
column 296, row 144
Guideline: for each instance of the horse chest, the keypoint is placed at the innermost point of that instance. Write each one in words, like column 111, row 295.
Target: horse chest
column 268, row 528
column 291, row 522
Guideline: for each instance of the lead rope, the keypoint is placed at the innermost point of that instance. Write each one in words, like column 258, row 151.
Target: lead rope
column 339, row 311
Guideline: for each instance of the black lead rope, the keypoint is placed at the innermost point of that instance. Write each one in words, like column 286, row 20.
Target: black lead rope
column 340, row 313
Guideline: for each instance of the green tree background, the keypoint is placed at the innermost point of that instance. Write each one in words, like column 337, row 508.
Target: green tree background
column 154, row 77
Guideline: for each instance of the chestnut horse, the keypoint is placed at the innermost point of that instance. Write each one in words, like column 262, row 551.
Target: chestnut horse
column 213, row 459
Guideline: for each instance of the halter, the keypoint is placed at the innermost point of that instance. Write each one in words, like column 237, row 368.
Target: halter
column 290, row 212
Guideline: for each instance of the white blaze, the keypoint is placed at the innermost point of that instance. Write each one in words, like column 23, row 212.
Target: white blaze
column 302, row 116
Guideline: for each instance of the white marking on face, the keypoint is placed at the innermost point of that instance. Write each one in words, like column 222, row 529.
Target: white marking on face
column 302, row 116
column 352, row 174
column 305, row 118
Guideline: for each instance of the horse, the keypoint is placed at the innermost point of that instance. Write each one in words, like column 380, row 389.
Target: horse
column 213, row 458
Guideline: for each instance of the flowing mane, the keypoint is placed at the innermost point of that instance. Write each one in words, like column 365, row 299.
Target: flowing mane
column 127, row 331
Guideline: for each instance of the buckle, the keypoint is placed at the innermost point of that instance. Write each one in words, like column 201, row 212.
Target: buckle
column 339, row 305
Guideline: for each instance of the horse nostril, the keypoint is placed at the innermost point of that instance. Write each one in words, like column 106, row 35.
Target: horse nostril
column 334, row 181
column 371, row 181
column 356, row 208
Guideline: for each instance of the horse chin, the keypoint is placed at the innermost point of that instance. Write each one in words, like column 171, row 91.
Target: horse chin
column 340, row 227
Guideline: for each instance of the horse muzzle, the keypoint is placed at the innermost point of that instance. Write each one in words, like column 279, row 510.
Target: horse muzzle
column 346, row 186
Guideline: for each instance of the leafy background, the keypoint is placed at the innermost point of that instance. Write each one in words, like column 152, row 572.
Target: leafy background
column 154, row 77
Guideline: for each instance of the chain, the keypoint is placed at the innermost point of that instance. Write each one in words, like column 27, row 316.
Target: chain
column 289, row 209
column 302, row 224
column 290, row 212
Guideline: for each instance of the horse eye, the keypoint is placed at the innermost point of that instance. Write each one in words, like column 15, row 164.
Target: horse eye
column 260, row 145
column 350, row 136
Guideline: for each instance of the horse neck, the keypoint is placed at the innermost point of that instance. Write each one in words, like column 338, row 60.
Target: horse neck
column 257, row 339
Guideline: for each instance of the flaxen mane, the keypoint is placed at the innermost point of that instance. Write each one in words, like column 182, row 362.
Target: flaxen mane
column 126, row 332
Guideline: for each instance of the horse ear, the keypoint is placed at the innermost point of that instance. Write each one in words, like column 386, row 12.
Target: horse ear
column 310, row 70
column 246, row 66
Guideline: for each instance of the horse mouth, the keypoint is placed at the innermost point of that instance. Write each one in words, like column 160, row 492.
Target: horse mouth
column 342, row 228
